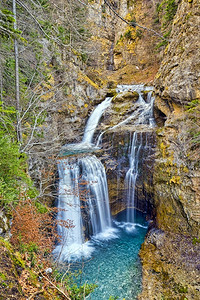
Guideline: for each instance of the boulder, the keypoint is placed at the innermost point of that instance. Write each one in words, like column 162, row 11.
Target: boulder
column 126, row 96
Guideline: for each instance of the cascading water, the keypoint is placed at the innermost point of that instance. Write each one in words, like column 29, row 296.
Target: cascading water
column 86, row 145
column 94, row 120
column 143, row 113
column 83, row 195
column 94, row 177
column 145, row 117
column 69, row 210
column 83, row 198
column 142, row 122
column 131, row 176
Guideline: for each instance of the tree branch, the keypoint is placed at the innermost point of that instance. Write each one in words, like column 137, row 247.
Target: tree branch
column 59, row 290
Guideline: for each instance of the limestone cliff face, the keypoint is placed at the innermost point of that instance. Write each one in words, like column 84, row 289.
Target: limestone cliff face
column 177, row 87
column 122, row 53
column 178, row 77
column 169, row 254
column 170, row 267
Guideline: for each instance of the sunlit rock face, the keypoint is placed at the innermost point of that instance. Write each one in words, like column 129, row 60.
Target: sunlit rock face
column 176, row 178
column 178, row 77
column 122, row 53
column 170, row 254
column 170, row 266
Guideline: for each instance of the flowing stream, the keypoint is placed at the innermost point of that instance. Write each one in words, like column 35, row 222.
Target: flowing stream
column 108, row 249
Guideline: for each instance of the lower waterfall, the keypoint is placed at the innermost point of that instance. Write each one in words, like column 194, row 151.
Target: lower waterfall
column 83, row 199
column 131, row 175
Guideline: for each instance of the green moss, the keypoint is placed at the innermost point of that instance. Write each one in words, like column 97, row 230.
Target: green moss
column 14, row 256
column 33, row 278
column 6, row 244
column 192, row 105
column 128, row 34
column 195, row 240
column 17, row 259
column 3, row 276
column 163, row 149
column 169, row 8
column 181, row 288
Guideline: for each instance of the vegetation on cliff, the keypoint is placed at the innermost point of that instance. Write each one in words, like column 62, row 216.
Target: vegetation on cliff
column 67, row 52
column 45, row 41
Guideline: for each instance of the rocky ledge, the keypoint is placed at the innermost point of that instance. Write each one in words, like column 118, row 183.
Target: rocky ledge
column 171, row 266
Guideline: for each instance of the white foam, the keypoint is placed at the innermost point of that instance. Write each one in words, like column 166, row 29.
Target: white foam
column 129, row 227
column 108, row 234
column 138, row 88
column 73, row 252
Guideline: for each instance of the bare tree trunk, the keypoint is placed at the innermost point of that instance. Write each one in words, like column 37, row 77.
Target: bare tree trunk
column 17, row 91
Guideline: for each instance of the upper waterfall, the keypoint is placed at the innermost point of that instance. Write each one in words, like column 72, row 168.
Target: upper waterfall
column 94, row 120
column 143, row 112
column 91, row 125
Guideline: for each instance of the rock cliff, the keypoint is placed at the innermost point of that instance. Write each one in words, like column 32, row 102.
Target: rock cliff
column 177, row 89
column 124, row 54
column 118, row 53
column 169, row 255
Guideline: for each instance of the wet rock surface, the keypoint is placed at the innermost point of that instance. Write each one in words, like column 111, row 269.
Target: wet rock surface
column 116, row 151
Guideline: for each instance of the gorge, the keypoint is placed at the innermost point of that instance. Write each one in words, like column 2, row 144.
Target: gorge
column 109, row 96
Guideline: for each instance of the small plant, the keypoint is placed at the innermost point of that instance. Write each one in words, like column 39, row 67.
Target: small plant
column 168, row 8
column 195, row 241
column 128, row 34
column 163, row 42
column 190, row 107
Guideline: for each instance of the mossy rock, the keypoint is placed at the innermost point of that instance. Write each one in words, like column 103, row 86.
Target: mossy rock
column 126, row 96
column 122, row 108
column 112, row 84
column 11, row 266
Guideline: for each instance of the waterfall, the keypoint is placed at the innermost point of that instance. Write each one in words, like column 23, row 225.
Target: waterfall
column 144, row 117
column 143, row 113
column 83, row 200
column 94, row 120
column 86, row 144
column 69, row 203
column 82, row 195
column 131, row 175
column 94, row 176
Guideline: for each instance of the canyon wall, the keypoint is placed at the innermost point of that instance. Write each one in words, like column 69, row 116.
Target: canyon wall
column 170, row 253
column 121, row 54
